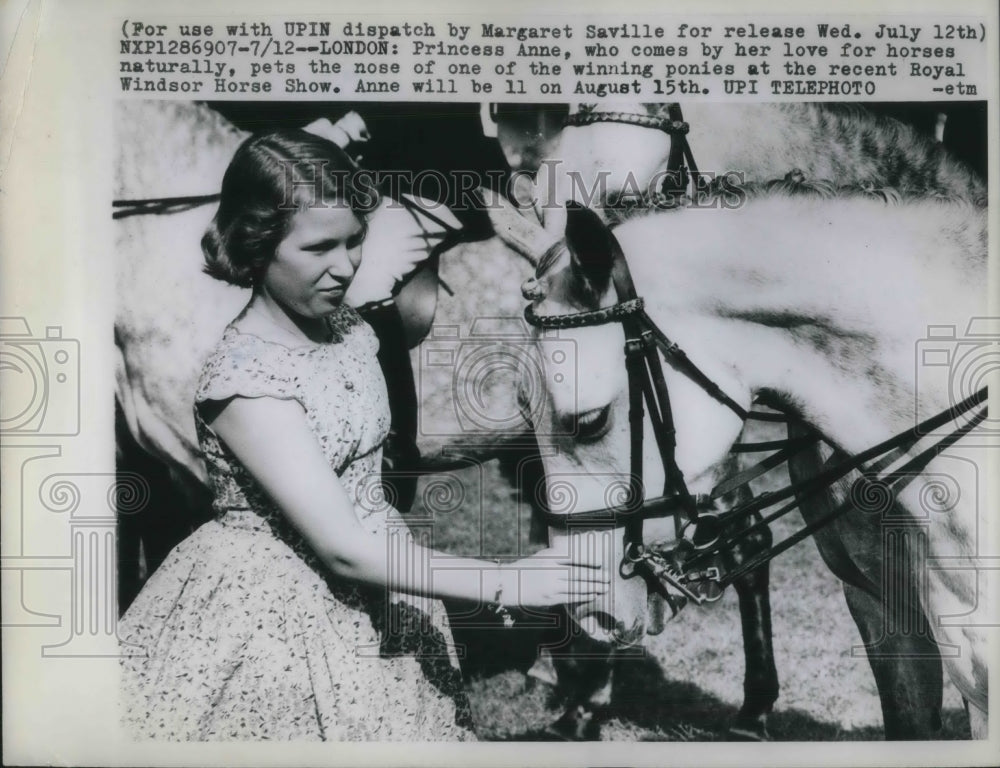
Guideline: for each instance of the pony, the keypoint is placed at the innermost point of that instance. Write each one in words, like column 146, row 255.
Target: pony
column 819, row 305
column 606, row 148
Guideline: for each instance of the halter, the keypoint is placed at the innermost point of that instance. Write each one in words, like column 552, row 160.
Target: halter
column 669, row 125
column 688, row 570
column 673, row 125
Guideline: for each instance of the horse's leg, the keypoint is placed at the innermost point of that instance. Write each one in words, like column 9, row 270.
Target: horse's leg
column 906, row 665
column 907, row 669
column 583, row 668
column 979, row 722
column 760, row 679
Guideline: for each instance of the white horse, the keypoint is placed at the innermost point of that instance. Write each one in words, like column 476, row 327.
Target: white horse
column 600, row 151
column 823, row 306
column 610, row 147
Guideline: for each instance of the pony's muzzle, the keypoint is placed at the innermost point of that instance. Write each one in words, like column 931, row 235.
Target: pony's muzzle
column 629, row 610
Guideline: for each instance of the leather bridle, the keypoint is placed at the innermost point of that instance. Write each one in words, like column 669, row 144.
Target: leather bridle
column 681, row 167
column 687, row 571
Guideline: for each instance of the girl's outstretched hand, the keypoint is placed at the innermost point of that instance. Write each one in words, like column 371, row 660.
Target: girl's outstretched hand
column 553, row 576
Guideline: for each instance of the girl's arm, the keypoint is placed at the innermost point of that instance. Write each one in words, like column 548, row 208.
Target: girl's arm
column 273, row 440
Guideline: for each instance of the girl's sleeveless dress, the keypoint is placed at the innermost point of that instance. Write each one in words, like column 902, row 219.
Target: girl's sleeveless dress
column 242, row 633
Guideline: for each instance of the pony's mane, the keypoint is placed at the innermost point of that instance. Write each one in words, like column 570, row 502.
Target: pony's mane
column 910, row 161
column 909, row 166
column 729, row 192
column 720, row 190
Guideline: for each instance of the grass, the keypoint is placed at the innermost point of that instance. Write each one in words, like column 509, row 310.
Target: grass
column 688, row 684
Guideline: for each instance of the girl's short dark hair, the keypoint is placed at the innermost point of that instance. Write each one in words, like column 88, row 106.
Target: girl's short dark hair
column 269, row 179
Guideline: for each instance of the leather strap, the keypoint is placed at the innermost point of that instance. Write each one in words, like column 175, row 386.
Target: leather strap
column 823, row 479
column 901, row 477
column 646, row 384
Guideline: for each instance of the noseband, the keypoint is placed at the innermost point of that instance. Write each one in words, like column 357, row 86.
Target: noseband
column 688, row 571
column 681, row 167
column 672, row 125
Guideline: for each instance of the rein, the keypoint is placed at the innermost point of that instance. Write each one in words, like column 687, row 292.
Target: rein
column 167, row 205
column 687, row 567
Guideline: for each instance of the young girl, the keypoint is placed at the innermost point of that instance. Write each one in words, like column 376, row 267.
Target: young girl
column 281, row 618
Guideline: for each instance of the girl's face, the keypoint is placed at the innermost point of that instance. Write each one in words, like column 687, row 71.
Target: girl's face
column 314, row 264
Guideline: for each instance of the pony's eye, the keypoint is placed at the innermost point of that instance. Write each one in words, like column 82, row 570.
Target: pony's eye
column 589, row 426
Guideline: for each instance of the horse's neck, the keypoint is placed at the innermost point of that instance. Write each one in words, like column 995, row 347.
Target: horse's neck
column 822, row 302
column 765, row 141
column 171, row 148
column 839, row 143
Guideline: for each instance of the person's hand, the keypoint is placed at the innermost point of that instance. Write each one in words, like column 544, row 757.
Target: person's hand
column 552, row 576
column 350, row 129
column 387, row 257
column 395, row 246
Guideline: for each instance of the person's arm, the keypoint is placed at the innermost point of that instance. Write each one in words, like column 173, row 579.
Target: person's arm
column 273, row 440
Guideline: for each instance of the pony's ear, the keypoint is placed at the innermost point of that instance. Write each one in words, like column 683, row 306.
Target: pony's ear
column 590, row 246
column 524, row 235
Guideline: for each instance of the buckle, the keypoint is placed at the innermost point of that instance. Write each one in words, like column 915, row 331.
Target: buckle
column 634, row 554
column 634, row 347
column 690, row 530
column 707, row 583
column 664, row 572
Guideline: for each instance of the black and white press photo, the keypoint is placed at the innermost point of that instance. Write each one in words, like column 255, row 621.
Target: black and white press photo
column 551, row 422
column 540, row 383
